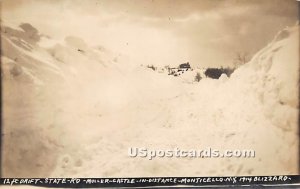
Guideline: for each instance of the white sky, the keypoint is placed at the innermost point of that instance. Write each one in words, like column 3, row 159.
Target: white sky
column 162, row 32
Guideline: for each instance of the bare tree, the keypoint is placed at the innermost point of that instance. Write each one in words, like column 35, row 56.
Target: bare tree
column 198, row 77
column 240, row 59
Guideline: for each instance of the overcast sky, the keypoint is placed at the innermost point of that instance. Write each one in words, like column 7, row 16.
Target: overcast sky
column 162, row 32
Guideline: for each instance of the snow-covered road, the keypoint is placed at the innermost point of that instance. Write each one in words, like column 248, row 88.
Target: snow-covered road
column 81, row 123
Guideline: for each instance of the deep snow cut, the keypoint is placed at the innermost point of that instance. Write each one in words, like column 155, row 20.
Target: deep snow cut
column 72, row 110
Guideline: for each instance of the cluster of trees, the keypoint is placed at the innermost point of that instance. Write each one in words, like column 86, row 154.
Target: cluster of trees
column 215, row 73
column 241, row 58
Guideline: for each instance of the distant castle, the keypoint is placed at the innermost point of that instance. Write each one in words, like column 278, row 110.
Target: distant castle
column 185, row 65
column 179, row 70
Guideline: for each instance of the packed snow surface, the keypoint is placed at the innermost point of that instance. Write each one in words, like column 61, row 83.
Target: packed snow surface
column 72, row 110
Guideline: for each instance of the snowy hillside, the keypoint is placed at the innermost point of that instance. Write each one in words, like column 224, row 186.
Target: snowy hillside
column 73, row 110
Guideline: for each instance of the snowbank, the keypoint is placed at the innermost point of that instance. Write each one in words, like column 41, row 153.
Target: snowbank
column 93, row 105
column 248, row 111
column 273, row 76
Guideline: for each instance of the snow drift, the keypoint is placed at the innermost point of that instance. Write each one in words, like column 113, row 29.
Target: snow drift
column 273, row 76
column 73, row 110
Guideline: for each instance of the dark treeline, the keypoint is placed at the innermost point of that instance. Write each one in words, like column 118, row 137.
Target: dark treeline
column 215, row 73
